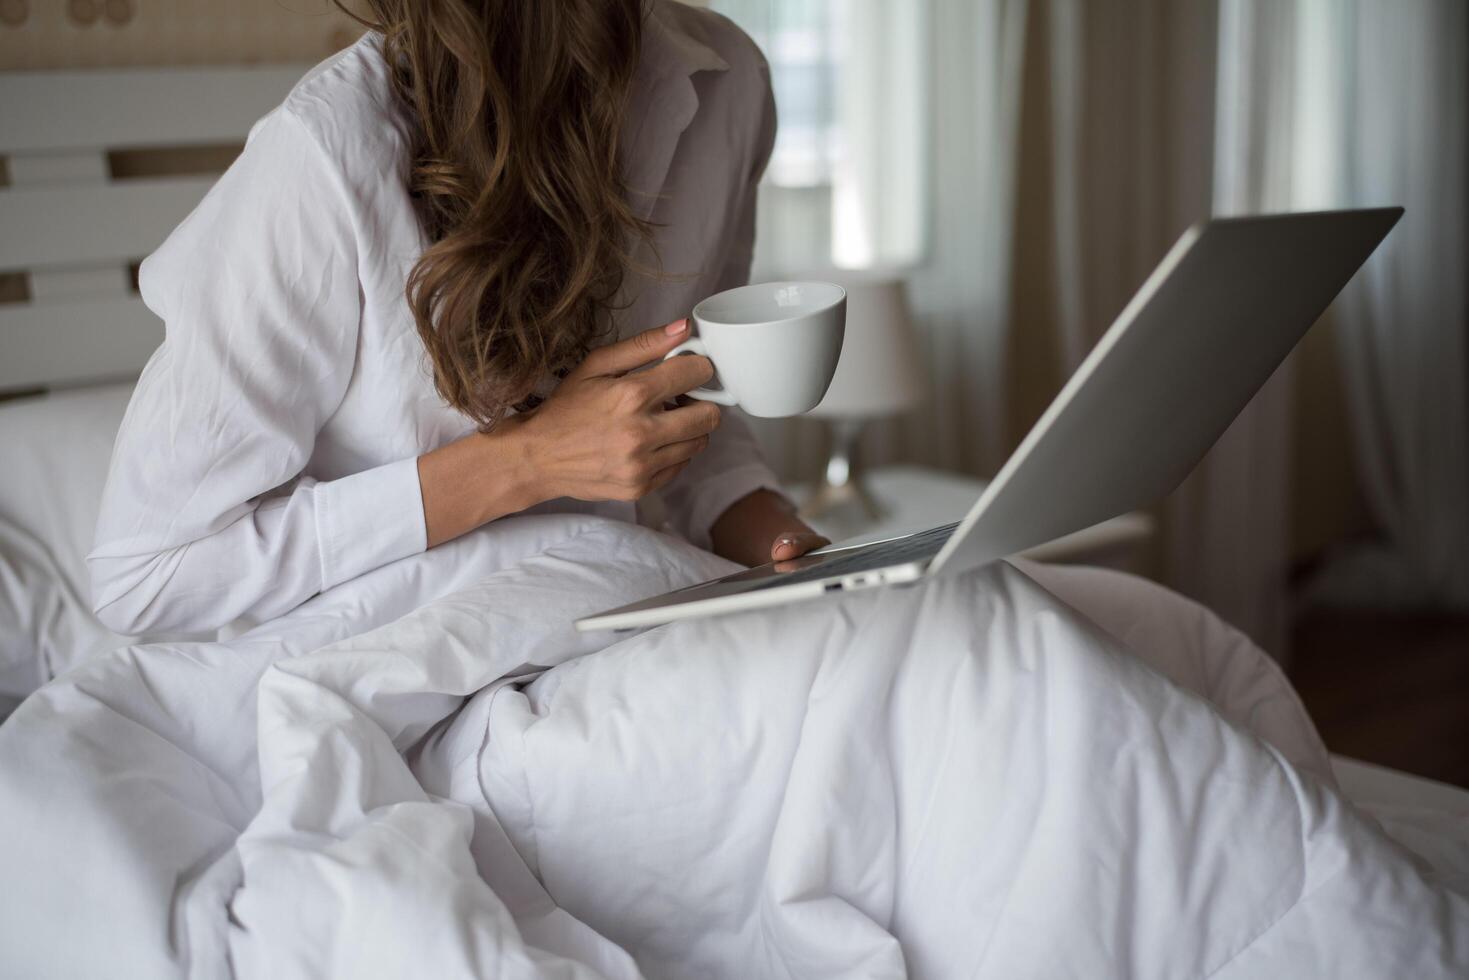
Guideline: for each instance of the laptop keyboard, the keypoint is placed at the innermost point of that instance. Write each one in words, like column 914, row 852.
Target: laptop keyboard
column 866, row 558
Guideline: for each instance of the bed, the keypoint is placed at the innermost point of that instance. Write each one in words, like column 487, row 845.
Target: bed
column 72, row 340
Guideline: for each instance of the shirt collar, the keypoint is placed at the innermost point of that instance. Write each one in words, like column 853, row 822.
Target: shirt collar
column 663, row 101
column 672, row 46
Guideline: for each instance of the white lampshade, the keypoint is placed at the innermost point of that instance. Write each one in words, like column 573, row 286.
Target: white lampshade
column 878, row 373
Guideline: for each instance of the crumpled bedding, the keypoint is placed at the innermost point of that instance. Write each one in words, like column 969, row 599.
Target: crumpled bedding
column 1021, row 771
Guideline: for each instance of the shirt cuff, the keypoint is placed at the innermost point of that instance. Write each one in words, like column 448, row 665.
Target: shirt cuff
column 368, row 519
column 717, row 495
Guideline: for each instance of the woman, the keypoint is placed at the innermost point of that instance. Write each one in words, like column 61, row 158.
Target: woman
column 367, row 320
column 367, row 316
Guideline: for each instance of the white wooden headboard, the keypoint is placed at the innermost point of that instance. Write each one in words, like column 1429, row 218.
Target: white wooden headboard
column 73, row 229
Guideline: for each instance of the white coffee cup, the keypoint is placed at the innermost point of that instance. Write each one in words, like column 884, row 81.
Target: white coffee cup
column 774, row 345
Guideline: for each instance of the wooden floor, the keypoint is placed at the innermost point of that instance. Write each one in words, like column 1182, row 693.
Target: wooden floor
column 1388, row 689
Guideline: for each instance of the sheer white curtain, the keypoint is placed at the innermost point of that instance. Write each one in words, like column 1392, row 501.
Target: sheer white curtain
column 846, row 185
column 1229, row 524
column 904, row 128
column 960, row 292
column 1159, row 114
column 897, row 127
column 1385, row 113
column 1122, row 119
column 1353, row 103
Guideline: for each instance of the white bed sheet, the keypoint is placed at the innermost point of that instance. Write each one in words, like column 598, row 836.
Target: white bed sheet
column 1429, row 818
column 969, row 778
column 55, row 450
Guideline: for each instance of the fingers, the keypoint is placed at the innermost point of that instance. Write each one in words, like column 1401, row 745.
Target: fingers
column 794, row 544
column 665, row 475
column 657, row 469
column 677, row 452
column 674, row 377
column 684, row 422
column 635, row 351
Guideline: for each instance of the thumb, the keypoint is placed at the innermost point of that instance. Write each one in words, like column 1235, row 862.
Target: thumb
column 793, row 544
column 635, row 351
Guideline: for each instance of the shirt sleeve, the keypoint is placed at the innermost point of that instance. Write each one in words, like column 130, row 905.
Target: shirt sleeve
column 206, row 516
column 732, row 465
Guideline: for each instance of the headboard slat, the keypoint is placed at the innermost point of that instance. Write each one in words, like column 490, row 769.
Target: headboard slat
column 87, row 224
column 80, row 281
column 67, row 167
column 71, row 110
column 74, row 229
column 52, row 344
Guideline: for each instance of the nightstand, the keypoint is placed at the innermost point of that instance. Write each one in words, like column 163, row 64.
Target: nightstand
column 914, row 498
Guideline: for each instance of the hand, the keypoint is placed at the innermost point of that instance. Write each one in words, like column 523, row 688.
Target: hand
column 763, row 527
column 796, row 542
column 605, row 434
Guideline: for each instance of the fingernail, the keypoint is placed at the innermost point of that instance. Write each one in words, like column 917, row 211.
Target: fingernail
column 786, row 541
column 676, row 327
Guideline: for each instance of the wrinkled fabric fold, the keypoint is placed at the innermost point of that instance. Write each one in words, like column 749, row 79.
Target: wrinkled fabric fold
column 428, row 771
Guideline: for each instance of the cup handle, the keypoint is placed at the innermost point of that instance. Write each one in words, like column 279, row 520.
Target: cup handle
column 696, row 346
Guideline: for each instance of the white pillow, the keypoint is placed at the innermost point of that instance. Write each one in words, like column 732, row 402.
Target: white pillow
column 54, row 451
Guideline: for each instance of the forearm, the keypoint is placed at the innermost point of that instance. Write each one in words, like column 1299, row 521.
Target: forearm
column 475, row 480
column 160, row 567
column 604, row 434
column 487, row 476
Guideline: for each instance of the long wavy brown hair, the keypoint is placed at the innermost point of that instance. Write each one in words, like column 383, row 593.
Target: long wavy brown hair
column 516, row 107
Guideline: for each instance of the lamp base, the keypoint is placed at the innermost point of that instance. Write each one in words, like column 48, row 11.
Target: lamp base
column 850, row 500
column 841, row 500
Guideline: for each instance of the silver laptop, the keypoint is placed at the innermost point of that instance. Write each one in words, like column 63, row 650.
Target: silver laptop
column 1206, row 330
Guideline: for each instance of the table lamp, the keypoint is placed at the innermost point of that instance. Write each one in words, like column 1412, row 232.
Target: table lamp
column 878, row 375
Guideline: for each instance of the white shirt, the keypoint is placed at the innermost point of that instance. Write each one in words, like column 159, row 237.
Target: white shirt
column 270, row 449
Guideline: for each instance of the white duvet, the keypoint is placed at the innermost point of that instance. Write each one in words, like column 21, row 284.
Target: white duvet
column 966, row 778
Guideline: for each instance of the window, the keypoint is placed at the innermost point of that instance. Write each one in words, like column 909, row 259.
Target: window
column 846, row 182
